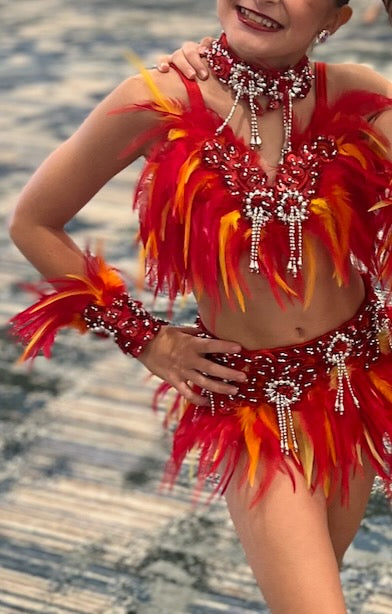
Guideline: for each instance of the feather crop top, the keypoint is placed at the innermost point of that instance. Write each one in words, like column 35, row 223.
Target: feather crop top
column 198, row 192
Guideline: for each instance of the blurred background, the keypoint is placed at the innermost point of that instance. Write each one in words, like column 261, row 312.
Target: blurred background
column 84, row 527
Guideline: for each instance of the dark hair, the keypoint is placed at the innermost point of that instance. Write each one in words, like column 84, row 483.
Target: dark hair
column 388, row 6
column 342, row 2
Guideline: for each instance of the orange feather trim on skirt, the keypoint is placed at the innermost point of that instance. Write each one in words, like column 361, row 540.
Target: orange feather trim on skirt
column 320, row 409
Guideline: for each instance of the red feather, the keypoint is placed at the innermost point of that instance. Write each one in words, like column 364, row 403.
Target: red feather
column 350, row 186
column 63, row 306
column 335, row 439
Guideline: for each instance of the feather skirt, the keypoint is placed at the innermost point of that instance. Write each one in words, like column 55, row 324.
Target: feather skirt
column 340, row 411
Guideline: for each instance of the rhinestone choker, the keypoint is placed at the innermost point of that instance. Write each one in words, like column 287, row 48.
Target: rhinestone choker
column 248, row 82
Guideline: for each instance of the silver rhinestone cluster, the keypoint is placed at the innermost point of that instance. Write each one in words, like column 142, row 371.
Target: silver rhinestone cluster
column 282, row 377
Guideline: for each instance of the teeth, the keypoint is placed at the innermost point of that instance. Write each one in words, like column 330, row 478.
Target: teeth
column 258, row 18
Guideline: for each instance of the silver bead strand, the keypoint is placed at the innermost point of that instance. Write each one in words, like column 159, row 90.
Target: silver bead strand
column 292, row 429
column 257, row 225
column 280, row 410
column 255, row 138
column 338, row 359
column 288, row 112
column 285, row 416
column 238, row 96
column 343, row 374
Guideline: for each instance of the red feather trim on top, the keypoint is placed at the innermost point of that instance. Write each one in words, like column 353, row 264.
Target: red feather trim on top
column 63, row 306
column 192, row 228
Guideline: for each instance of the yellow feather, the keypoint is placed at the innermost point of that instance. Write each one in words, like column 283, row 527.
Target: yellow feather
column 359, row 454
column 284, row 285
column 327, row 485
column 372, row 448
column 59, row 296
column 380, row 205
column 151, row 245
column 189, row 167
column 165, row 213
column 35, row 339
column 198, row 287
column 238, row 293
column 247, row 418
column 320, row 207
column 377, row 144
column 345, row 216
column 382, row 385
column 175, row 134
column 162, row 102
column 383, row 340
column 268, row 416
column 351, row 150
column 329, row 438
column 306, row 452
column 228, row 223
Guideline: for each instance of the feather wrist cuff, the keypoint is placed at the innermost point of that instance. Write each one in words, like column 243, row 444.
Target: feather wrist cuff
column 131, row 326
column 97, row 299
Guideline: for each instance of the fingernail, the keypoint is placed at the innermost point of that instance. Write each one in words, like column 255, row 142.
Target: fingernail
column 203, row 50
column 235, row 349
column 234, row 390
column 191, row 74
column 203, row 74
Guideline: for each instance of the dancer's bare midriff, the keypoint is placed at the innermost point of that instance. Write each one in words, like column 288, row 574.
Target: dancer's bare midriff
column 265, row 324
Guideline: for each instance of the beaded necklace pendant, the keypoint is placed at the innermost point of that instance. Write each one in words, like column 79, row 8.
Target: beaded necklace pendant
column 248, row 82
column 288, row 200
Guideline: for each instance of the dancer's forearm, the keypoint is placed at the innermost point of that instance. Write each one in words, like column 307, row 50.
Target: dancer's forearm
column 52, row 252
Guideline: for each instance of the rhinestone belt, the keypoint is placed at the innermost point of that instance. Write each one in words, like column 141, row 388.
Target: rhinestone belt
column 280, row 376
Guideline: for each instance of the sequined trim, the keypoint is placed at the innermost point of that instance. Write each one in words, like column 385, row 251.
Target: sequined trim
column 281, row 376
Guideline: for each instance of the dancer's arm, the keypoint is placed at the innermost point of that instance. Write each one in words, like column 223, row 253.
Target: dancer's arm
column 62, row 185
column 70, row 177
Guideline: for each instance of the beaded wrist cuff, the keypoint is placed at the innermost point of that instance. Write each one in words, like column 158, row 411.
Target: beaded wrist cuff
column 126, row 320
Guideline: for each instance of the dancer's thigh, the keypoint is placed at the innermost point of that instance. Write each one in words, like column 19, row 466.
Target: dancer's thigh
column 344, row 520
column 286, row 540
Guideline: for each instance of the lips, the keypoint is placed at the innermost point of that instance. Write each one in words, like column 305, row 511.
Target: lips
column 258, row 20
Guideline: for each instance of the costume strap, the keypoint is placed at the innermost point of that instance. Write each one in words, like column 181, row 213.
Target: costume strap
column 194, row 93
column 321, row 83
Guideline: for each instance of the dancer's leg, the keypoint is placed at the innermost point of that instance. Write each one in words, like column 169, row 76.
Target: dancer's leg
column 288, row 546
column 344, row 521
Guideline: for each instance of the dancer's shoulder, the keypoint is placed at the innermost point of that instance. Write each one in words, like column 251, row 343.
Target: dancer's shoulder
column 347, row 77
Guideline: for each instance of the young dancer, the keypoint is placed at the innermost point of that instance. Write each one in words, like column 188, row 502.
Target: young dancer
column 266, row 194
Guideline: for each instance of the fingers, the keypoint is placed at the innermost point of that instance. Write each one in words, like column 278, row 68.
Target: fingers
column 163, row 63
column 225, row 373
column 192, row 65
column 212, row 346
column 186, row 391
column 217, row 346
column 205, row 44
column 187, row 59
column 218, row 386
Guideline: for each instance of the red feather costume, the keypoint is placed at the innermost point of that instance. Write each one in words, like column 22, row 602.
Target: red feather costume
column 332, row 398
column 185, row 204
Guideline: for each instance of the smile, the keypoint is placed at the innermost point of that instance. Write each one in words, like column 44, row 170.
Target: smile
column 258, row 18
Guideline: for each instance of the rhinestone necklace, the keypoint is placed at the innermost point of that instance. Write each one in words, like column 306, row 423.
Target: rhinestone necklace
column 248, row 82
